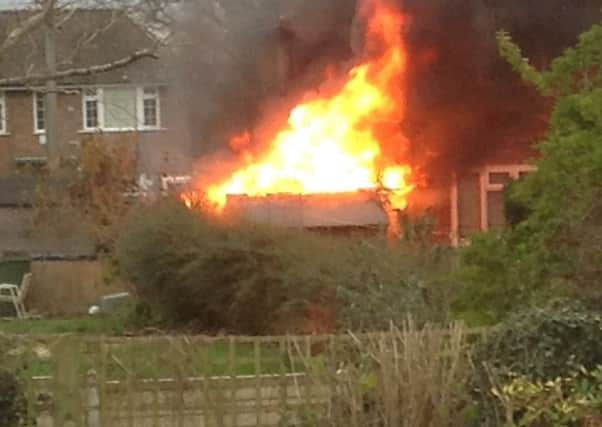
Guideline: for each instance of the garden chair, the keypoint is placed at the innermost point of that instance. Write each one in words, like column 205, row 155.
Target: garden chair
column 16, row 294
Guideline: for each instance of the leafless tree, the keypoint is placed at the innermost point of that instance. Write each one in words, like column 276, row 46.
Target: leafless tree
column 50, row 16
column 48, row 55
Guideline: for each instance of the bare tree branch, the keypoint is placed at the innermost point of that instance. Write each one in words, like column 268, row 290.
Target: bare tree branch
column 28, row 26
column 87, row 38
column 84, row 71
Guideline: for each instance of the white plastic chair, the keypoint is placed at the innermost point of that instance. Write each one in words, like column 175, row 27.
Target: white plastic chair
column 16, row 294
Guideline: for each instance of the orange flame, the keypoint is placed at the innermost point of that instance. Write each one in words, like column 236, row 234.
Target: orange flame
column 330, row 144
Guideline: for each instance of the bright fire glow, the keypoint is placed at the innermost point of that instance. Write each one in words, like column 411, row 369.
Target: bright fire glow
column 330, row 143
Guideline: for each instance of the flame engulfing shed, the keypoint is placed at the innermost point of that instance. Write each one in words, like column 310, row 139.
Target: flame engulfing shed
column 463, row 105
column 343, row 210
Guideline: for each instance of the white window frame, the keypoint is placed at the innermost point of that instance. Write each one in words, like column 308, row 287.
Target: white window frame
column 98, row 97
column 139, row 107
column 36, row 129
column 141, row 96
column 4, row 117
column 486, row 186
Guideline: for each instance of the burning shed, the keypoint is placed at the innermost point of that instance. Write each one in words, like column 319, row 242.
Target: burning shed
column 331, row 155
column 360, row 209
column 403, row 108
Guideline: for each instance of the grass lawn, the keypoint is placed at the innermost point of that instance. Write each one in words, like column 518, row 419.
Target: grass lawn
column 82, row 325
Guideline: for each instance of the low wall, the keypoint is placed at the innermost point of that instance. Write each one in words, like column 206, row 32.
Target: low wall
column 67, row 287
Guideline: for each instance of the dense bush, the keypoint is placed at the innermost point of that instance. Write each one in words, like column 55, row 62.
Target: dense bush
column 199, row 271
column 574, row 399
column 11, row 400
column 488, row 284
column 379, row 285
column 535, row 346
column 553, row 244
column 545, row 343
column 195, row 271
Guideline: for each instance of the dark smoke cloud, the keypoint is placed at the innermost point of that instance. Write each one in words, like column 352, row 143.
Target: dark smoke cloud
column 225, row 51
column 465, row 105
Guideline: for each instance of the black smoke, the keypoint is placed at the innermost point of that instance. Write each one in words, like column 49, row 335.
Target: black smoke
column 464, row 104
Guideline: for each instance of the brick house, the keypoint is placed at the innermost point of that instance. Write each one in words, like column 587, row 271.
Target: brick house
column 128, row 105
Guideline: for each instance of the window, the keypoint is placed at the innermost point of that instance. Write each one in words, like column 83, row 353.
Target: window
column 2, row 113
column 91, row 109
column 39, row 112
column 493, row 180
column 148, row 108
column 477, row 199
column 121, row 109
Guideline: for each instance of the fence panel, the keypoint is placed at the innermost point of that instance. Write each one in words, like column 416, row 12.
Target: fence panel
column 230, row 381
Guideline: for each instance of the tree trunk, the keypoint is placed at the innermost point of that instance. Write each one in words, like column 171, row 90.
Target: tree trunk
column 51, row 101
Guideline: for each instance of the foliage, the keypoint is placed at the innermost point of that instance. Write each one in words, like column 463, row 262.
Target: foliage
column 378, row 284
column 544, row 342
column 576, row 71
column 563, row 230
column 539, row 344
column 194, row 269
column 488, row 283
column 87, row 196
column 552, row 246
column 11, row 400
column 572, row 400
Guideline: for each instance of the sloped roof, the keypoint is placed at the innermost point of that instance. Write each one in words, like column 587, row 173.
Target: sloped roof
column 110, row 36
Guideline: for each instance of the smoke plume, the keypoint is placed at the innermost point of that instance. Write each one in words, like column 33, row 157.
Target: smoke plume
column 241, row 63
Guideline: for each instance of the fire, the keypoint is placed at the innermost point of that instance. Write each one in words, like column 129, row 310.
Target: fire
column 330, row 143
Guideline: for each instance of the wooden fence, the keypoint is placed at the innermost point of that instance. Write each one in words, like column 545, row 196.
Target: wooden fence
column 202, row 381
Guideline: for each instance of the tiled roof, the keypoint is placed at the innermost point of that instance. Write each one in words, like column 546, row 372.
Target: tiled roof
column 117, row 38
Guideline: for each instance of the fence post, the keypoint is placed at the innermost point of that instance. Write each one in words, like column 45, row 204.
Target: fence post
column 44, row 416
column 258, row 385
column 67, row 396
column 92, row 400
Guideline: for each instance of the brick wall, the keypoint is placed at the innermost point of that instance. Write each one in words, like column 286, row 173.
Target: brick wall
column 157, row 151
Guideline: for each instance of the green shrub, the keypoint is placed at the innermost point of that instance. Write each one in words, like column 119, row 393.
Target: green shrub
column 194, row 270
column 537, row 345
column 488, row 282
column 11, row 400
column 572, row 400
column 545, row 343
column 379, row 285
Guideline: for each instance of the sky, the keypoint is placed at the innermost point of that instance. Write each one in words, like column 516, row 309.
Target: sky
column 9, row 4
